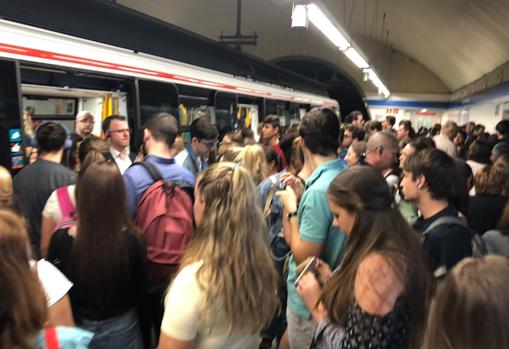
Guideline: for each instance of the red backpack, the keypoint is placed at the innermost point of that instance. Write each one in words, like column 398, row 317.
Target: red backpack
column 165, row 216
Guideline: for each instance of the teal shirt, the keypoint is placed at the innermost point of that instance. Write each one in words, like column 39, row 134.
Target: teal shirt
column 315, row 225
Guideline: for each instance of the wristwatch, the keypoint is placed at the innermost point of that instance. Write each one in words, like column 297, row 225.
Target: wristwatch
column 291, row 214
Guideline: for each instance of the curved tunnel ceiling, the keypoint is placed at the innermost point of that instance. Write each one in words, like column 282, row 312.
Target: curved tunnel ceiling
column 455, row 41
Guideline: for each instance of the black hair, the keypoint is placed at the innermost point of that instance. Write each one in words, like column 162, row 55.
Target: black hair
column 422, row 143
column 202, row 128
column 163, row 127
column 437, row 168
column 271, row 156
column 376, row 126
column 319, row 130
column 107, row 122
column 391, row 119
column 407, row 125
column 273, row 120
column 503, row 128
column 357, row 132
column 50, row 137
column 479, row 151
column 286, row 143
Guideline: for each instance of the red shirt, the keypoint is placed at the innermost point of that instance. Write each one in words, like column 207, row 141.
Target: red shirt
column 282, row 162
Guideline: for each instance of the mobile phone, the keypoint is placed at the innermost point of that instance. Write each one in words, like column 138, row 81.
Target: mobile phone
column 311, row 266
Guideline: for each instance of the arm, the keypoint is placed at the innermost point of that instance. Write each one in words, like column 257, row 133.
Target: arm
column 60, row 313
column 47, row 227
column 167, row 342
column 130, row 192
column 306, row 239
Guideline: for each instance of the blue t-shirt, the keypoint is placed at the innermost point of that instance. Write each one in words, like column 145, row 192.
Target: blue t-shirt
column 315, row 226
column 137, row 179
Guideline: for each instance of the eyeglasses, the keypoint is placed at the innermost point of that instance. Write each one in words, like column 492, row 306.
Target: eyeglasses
column 87, row 121
column 123, row 130
column 209, row 144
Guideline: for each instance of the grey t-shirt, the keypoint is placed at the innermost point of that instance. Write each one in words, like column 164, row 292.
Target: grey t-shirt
column 496, row 242
column 32, row 186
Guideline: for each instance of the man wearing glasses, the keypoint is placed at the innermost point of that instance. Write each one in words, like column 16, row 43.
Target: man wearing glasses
column 117, row 132
column 203, row 139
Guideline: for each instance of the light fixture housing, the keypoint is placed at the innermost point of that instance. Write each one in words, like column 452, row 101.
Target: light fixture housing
column 299, row 16
column 325, row 25
column 356, row 58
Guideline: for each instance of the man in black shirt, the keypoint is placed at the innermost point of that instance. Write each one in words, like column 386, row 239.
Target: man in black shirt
column 35, row 183
column 428, row 182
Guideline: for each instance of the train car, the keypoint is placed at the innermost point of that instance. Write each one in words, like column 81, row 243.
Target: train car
column 59, row 75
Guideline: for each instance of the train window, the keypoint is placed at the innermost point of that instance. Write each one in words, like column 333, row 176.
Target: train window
column 157, row 97
column 226, row 110
column 11, row 147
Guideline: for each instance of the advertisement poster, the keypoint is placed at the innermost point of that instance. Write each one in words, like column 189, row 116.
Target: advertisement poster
column 16, row 148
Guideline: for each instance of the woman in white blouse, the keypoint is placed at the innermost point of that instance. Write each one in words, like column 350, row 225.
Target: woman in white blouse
column 225, row 291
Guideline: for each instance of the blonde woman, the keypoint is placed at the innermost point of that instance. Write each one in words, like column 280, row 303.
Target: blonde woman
column 471, row 306
column 253, row 159
column 224, row 292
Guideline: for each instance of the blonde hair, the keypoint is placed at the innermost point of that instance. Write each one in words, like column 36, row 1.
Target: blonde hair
column 237, row 270
column 253, row 159
column 23, row 309
column 471, row 306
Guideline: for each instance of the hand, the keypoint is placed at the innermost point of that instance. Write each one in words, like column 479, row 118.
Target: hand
column 288, row 199
column 324, row 270
column 290, row 180
column 309, row 290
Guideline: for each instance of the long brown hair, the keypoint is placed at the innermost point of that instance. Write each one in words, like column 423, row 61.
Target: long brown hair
column 471, row 306
column 237, row 270
column 23, row 305
column 378, row 228
column 100, row 251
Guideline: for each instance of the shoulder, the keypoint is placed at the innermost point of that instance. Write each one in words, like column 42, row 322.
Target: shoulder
column 378, row 284
column 181, row 157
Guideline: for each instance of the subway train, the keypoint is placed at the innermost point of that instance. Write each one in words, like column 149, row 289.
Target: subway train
column 59, row 75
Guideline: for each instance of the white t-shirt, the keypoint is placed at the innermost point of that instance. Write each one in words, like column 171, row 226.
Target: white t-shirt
column 183, row 317
column 54, row 283
column 52, row 208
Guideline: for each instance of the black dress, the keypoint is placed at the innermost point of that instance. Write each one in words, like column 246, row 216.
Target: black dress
column 364, row 330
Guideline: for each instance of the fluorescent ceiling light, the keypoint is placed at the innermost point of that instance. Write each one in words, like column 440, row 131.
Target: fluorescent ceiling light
column 377, row 82
column 324, row 24
column 299, row 16
column 356, row 58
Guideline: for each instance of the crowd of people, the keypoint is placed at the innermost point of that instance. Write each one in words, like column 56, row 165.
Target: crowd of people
column 327, row 233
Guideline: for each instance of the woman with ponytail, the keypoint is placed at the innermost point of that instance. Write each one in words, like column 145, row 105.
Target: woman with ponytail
column 225, row 291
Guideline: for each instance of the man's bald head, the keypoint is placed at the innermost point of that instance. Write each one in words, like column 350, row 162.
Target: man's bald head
column 381, row 150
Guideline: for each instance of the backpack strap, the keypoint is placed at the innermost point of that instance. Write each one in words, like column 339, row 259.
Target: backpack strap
column 270, row 197
column 65, row 203
column 444, row 220
column 50, row 335
column 152, row 170
column 168, row 186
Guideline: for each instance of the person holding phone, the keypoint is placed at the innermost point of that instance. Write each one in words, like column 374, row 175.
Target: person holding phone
column 379, row 296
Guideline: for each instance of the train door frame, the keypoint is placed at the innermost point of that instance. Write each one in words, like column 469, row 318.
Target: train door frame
column 12, row 123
